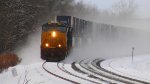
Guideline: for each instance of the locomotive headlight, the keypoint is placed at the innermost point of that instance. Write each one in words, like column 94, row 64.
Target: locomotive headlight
column 53, row 34
column 59, row 45
column 47, row 45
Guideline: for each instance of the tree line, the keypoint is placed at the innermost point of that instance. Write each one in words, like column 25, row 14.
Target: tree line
column 20, row 18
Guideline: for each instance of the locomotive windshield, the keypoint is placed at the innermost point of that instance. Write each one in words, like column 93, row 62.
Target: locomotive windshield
column 54, row 26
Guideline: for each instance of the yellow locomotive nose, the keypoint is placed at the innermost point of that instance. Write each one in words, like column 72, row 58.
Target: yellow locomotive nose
column 53, row 34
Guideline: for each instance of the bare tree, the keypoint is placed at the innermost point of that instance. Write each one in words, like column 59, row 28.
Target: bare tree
column 124, row 8
column 19, row 18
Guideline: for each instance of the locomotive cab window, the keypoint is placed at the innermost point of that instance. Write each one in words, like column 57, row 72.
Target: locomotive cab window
column 52, row 26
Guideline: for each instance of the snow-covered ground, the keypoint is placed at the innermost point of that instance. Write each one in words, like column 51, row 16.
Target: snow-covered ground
column 84, row 73
column 138, row 69
column 31, row 71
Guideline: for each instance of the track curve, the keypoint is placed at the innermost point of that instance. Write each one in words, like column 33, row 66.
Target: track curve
column 58, row 75
column 96, row 63
column 94, row 73
column 63, row 69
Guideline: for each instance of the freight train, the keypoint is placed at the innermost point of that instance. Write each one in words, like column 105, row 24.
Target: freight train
column 59, row 36
column 66, row 32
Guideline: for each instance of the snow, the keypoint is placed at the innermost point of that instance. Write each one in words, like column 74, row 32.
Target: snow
column 139, row 69
column 61, row 73
column 7, row 77
column 30, row 70
column 30, row 52
column 68, row 68
column 35, row 74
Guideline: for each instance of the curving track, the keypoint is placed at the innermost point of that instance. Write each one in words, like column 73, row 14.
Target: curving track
column 89, row 71
column 57, row 75
column 96, row 63
column 62, row 67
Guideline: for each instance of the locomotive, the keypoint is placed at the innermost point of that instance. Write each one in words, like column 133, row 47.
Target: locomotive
column 58, row 37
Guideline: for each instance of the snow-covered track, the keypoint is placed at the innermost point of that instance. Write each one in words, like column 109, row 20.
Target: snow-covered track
column 61, row 67
column 99, row 74
column 97, row 64
column 79, row 69
column 87, row 71
column 58, row 75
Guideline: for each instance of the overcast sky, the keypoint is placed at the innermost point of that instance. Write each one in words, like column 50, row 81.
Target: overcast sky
column 143, row 9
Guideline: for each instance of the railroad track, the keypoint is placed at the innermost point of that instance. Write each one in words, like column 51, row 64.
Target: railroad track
column 96, row 63
column 93, row 66
column 78, row 69
column 58, row 75
column 100, row 75
column 95, row 74
column 61, row 67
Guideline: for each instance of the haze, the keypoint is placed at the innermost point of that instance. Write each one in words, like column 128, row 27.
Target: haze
column 130, row 33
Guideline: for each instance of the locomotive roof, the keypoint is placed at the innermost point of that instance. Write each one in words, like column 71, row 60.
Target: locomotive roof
column 54, row 24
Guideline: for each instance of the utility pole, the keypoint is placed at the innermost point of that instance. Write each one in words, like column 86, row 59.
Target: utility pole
column 132, row 54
